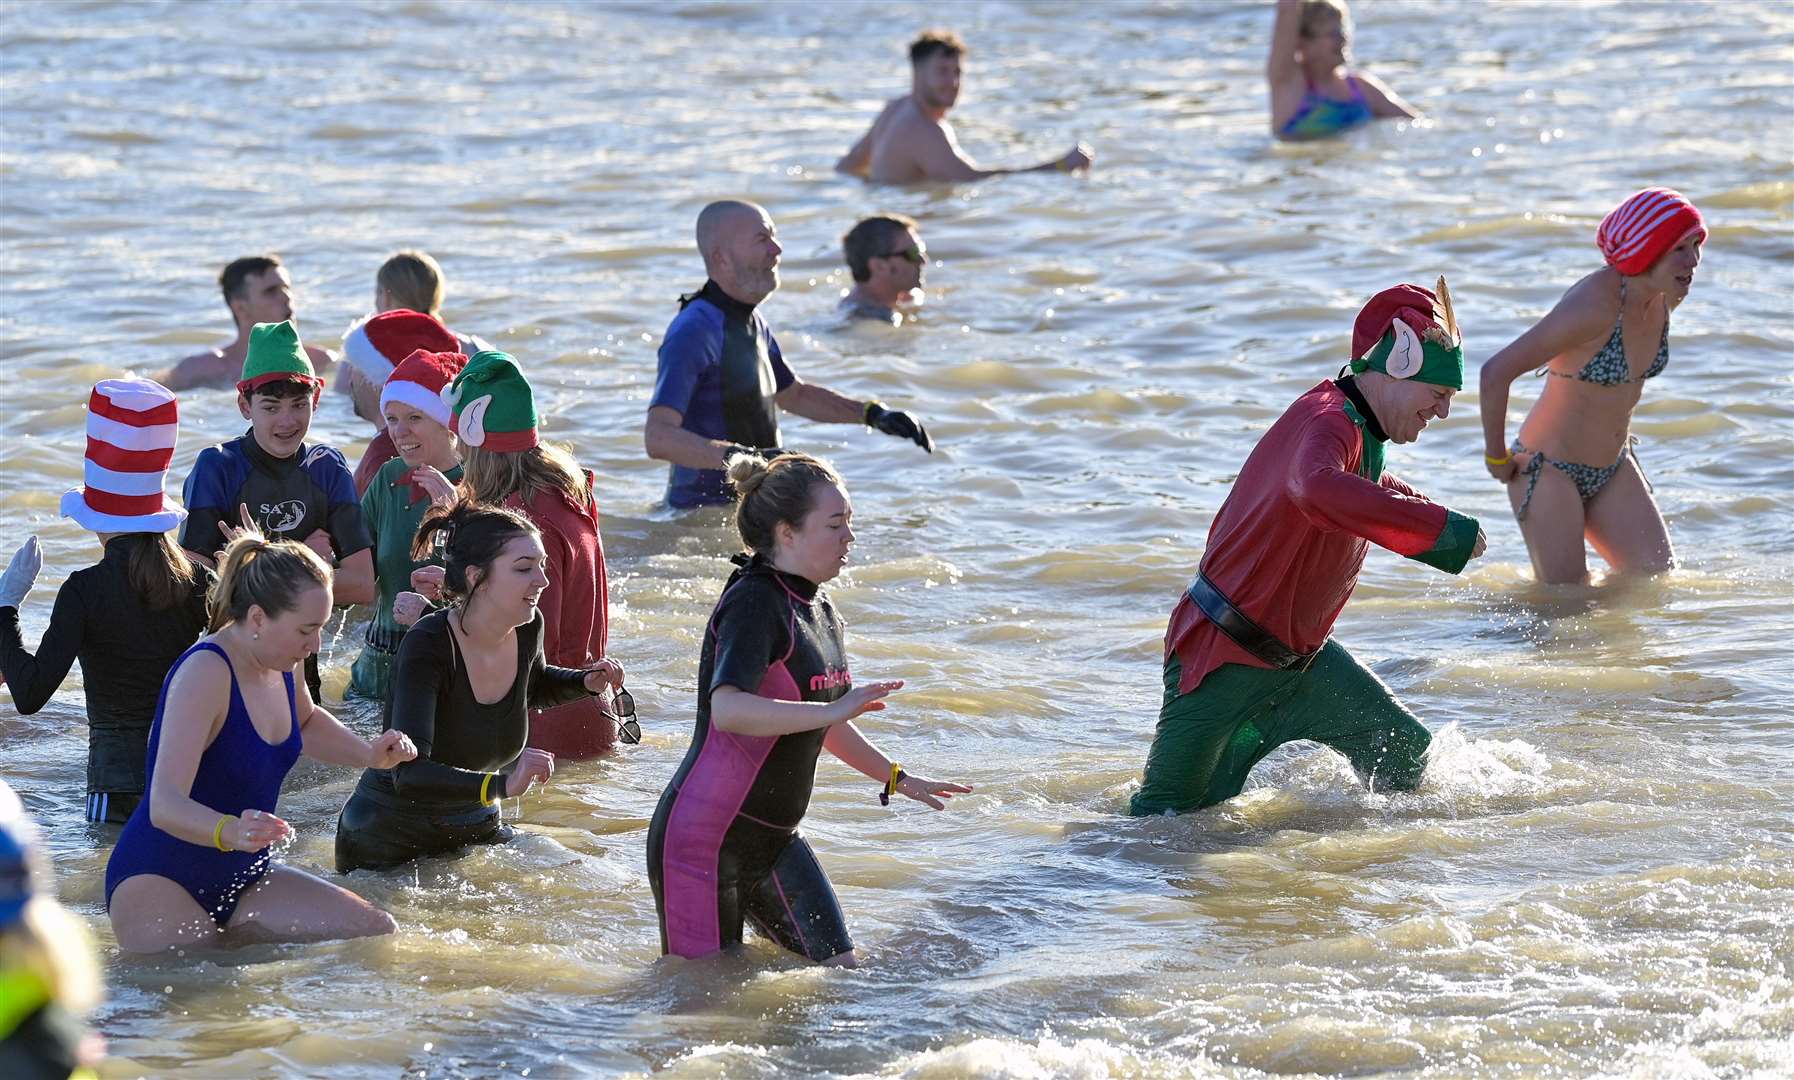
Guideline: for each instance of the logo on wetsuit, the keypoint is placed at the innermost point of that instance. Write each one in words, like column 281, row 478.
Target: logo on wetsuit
column 283, row 516
column 832, row 678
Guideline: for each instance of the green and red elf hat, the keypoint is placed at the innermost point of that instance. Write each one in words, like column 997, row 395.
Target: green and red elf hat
column 1408, row 332
column 276, row 354
column 492, row 405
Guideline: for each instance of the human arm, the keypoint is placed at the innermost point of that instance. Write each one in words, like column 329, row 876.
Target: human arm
column 354, row 579
column 1385, row 104
column 858, row 159
column 326, row 739
column 34, row 679
column 1577, row 318
column 1323, row 486
column 851, row 746
column 208, row 368
column 194, row 707
column 819, row 403
column 666, row 440
column 1283, row 66
column 743, row 713
column 937, row 156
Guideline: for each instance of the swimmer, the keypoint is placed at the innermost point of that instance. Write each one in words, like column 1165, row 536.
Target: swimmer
column 424, row 474
column 1312, row 92
column 722, row 379
column 130, row 616
column 256, row 289
column 371, row 350
column 271, row 478
column 886, row 258
column 462, row 685
column 505, row 463
column 193, row 866
column 911, row 139
column 1606, row 336
column 1249, row 664
column 413, row 281
column 774, row 691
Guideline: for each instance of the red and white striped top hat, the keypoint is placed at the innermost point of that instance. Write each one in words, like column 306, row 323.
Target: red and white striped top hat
column 131, row 427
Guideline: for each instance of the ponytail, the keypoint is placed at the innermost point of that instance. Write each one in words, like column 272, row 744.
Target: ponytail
column 465, row 536
column 264, row 573
column 770, row 492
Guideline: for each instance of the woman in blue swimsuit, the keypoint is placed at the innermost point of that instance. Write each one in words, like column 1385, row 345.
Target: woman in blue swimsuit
column 192, row 866
column 1313, row 95
column 1595, row 350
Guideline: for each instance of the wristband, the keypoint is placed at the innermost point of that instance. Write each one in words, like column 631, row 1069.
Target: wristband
column 897, row 775
column 866, row 413
column 218, row 833
column 484, row 786
column 1503, row 460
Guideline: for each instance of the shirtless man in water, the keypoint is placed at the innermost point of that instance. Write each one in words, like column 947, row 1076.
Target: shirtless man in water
column 911, row 139
column 257, row 290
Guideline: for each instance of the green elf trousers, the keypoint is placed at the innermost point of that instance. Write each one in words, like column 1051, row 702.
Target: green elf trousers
column 1209, row 739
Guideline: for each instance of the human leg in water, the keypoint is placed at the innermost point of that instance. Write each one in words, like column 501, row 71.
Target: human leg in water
column 292, row 905
column 794, row 904
column 1626, row 527
column 1208, row 740
column 1550, row 512
column 1343, row 705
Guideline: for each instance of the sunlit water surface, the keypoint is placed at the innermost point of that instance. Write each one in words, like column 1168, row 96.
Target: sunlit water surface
column 1596, row 876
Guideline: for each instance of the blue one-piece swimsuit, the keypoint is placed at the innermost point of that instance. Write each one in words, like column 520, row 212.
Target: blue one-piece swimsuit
column 239, row 771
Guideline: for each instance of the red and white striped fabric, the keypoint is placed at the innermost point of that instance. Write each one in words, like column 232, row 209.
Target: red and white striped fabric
column 131, row 428
column 1642, row 228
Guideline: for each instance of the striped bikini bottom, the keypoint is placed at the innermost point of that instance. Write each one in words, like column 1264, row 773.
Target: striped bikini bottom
column 1589, row 479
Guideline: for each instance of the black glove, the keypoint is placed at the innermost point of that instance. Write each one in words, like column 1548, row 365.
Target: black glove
column 898, row 423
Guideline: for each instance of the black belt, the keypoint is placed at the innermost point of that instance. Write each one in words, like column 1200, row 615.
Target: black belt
column 1245, row 633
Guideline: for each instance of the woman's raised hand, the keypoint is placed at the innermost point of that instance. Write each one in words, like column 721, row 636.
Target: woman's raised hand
column 864, row 698
column 438, row 487
column 428, row 580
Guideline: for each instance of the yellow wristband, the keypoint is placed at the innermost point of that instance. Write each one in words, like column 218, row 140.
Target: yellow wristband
column 1503, row 460
column 218, row 833
column 484, row 785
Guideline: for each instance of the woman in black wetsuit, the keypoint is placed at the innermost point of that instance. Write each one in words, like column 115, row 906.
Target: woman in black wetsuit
column 774, row 691
column 128, row 617
column 462, row 684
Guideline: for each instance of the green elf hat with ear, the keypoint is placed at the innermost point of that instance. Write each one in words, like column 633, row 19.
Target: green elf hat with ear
column 491, row 405
column 275, row 354
column 1410, row 333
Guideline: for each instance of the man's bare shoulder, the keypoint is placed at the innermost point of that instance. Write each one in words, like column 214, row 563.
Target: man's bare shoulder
column 903, row 143
column 204, row 369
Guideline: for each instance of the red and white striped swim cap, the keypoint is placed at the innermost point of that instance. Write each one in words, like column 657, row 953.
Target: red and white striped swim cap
column 1645, row 226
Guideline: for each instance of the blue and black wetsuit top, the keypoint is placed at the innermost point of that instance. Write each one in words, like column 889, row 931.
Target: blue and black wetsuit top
column 720, row 369
column 290, row 497
column 723, row 842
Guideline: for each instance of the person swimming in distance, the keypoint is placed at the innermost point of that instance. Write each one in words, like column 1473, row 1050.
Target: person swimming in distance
column 462, row 686
column 911, row 139
column 774, row 691
column 1594, row 492
column 1313, row 94
column 722, row 379
column 886, row 258
column 193, row 865
column 257, row 289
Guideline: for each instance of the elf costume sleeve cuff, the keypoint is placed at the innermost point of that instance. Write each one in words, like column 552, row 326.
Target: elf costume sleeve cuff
column 1456, row 541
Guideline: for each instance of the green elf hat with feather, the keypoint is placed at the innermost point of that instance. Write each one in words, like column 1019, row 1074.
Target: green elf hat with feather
column 1408, row 332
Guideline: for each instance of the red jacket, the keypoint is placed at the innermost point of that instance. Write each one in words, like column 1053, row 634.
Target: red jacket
column 576, row 604
column 1289, row 541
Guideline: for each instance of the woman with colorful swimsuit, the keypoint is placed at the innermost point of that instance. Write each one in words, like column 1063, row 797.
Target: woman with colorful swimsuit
column 1313, row 93
column 1608, row 334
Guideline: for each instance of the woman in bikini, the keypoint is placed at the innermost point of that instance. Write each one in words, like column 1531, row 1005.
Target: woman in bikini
column 1571, row 473
column 1313, row 94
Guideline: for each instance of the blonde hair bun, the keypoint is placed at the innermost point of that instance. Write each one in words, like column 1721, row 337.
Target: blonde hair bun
column 746, row 472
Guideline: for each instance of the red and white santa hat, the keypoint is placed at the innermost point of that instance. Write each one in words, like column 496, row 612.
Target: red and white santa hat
column 418, row 382
column 377, row 344
column 131, row 427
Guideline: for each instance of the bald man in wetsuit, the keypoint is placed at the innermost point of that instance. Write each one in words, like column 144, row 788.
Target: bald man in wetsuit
column 911, row 140
column 722, row 378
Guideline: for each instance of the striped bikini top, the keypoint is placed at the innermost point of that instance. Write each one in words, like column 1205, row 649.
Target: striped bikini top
column 1609, row 367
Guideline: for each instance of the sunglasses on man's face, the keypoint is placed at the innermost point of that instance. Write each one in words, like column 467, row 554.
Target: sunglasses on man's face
column 628, row 728
column 909, row 254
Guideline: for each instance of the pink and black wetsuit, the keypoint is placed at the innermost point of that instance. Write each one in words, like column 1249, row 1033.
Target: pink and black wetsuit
column 724, row 842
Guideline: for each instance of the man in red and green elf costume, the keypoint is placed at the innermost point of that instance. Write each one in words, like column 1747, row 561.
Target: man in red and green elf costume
column 1249, row 665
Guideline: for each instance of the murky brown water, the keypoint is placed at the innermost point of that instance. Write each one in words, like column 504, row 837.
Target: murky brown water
column 1597, row 877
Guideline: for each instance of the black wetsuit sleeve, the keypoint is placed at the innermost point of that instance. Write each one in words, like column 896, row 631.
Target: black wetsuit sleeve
column 751, row 635
column 33, row 679
column 418, row 674
column 549, row 685
column 347, row 525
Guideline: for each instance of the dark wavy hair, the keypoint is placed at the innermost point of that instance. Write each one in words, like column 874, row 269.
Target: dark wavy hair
column 465, row 536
